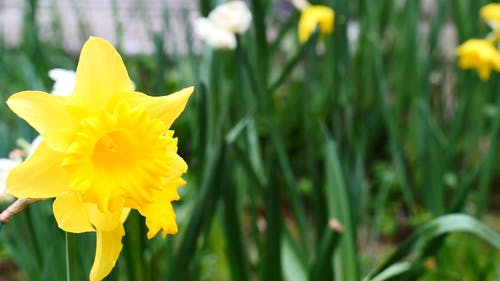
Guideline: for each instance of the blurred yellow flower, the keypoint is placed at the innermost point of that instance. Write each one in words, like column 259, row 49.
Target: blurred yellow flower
column 105, row 149
column 479, row 54
column 491, row 14
column 312, row 16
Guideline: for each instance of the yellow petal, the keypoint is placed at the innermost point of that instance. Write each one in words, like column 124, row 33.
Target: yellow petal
column 40, row 176
column 70, row 213
column 47, row 114
column 178, row 166
column 124, row 215
column 313, row 16
column 100, row 74
column 105, row 221
column 490, row 12
column 484, row 72
column 159, row 213
column 108, row 248
column 166, row 108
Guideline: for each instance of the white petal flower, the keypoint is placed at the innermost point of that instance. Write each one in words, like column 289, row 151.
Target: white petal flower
column 300, row 4
column 233, row 16
column 214, row 36
column 353, row 32
column 64, row 81
column 5, row 166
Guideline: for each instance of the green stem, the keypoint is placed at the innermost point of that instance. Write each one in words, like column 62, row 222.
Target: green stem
column 390, row 124
column 34, row 238
column 309, row 44
column 70, row 257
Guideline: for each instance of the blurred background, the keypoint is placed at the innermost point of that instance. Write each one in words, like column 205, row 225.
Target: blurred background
column 126, row 23
column 367, row 154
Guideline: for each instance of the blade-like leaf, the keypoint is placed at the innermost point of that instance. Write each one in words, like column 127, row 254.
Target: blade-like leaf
column 441, row 225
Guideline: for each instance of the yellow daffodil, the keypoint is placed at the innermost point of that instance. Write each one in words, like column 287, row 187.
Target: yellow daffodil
column 105, row 149
column 491, row 14
column 312, row 16
column 479, row 54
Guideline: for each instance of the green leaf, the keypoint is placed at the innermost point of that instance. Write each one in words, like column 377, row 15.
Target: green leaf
column 310, row 43
column 293, row 265
column 345, row 259
column 202, row 215
column 435, row 228
column 392, row 271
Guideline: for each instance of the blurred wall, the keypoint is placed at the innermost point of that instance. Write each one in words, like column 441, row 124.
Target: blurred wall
column 72, row 21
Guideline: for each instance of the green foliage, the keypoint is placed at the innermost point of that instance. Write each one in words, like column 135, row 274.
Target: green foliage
column 381, row 132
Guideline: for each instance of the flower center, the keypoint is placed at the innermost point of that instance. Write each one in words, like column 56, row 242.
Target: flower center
column 119, row 158
column 114, row 152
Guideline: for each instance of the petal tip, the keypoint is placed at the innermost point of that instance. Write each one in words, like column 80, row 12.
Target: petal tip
column 188, row 90
column 15, row 98
column 97, row 41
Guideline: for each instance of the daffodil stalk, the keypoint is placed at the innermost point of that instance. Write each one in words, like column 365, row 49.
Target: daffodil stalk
column 71, row 268
column 15, row 208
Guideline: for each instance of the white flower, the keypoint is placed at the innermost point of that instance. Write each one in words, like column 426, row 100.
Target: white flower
column 5, row 166
column 214, row 36
column 64, row 81
column 220, row 28
column 233, row 16
column 353, row 32
column 300, row 4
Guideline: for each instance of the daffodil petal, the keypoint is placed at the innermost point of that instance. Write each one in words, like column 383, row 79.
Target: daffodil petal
column 70, row 213
column 47, row 114
column 178, row 166
column 484, row 73
column 105, row 221
column 159, row 213
column 108, row 248
column 124, row 214
column 40, row 176
column 100, row 74
column 312, row 16
column 166, row 108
